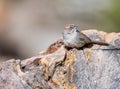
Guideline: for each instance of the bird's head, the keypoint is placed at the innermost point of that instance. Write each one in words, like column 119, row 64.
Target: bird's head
column 70, row 30
column 70, row 27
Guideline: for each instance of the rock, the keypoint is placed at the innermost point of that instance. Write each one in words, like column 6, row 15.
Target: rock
column 90, row 67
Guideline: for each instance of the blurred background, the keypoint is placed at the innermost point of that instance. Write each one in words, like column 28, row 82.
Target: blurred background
column 30, row 26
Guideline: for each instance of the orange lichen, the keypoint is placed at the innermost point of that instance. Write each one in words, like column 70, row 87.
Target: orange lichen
column 71, row 73
column 88, row 55
column 0, row 67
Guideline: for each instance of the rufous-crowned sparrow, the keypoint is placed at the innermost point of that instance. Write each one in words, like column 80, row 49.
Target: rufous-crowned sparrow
column 73, row 38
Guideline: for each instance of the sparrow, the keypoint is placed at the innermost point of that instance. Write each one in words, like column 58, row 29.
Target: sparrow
column 73, row 38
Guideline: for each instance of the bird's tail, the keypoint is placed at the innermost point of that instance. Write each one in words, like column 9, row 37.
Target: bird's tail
column 98, row 42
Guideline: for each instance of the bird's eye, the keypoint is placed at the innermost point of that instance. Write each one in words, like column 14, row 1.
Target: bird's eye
column 71, row 28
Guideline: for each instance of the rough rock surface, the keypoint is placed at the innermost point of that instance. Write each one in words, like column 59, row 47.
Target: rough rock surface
column 90, row 67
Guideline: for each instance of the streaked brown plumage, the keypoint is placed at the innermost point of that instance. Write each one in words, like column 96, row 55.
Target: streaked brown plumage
column 73, row 38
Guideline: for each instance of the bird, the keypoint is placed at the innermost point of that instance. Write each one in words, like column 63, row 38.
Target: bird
column 73, row 38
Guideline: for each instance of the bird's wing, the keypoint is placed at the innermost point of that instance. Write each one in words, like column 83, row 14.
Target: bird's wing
column 85, row 38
